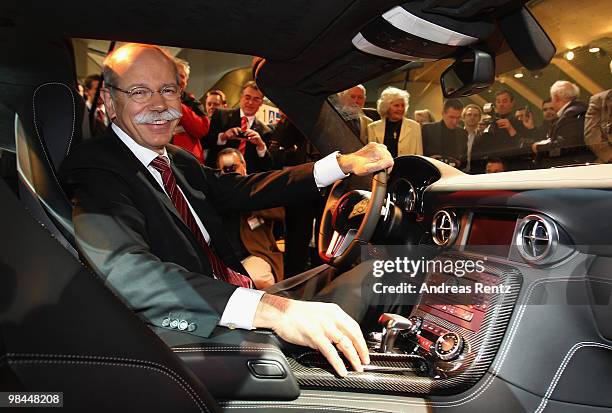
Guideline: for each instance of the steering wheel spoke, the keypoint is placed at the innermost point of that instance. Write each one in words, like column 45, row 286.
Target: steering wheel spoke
column 339, row 243
column 350, row 215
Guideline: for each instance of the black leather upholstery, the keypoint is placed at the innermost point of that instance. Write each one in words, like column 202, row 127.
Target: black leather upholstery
column 62, row 329
column 253, row 365
column 47, row 128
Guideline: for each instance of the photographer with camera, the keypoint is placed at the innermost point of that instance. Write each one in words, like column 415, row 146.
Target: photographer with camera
column 504, row 137
column 238, row 128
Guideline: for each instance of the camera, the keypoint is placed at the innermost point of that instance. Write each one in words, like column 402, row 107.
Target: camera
column 242, row 134
column 228, row 169
column 489, row 116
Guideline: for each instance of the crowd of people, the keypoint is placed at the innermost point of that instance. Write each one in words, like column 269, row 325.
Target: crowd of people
column 495, row 138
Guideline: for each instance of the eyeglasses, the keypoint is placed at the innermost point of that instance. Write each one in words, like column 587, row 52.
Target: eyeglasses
column 142, row 94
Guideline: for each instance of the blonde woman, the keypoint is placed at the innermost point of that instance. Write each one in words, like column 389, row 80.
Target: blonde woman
column 401, row 135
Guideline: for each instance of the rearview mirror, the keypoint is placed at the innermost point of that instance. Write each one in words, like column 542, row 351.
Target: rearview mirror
column 468, row 75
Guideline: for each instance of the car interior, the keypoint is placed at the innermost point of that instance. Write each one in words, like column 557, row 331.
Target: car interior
column 537, row 338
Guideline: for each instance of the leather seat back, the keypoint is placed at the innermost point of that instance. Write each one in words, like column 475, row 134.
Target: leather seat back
column 63, row 330
column 46, row 129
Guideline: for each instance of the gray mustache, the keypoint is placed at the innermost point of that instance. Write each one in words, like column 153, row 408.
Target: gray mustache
column 150, row 117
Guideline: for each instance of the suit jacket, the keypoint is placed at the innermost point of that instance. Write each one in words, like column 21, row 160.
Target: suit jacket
column 597, row 125
column 409, row 141
column 129, row 230
column 364, row 121
column 260, row 241
column 496, row 142
column 224, row 119
column 566, row 145
column 445, row 142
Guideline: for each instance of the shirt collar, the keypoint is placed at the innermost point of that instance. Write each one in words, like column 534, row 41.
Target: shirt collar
column 144, row 155
column 563, row 109
column 249, row 118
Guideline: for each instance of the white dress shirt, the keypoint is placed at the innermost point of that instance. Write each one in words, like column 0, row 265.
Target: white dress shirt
column 240, row 309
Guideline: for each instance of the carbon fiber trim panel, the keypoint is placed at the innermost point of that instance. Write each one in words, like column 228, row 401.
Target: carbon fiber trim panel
column 449, row 378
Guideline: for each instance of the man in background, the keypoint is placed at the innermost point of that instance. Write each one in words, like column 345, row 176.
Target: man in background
column 505, row 137
column 100, row 120
column 353, row 100
column 565, row 142
column 250, row 234
column 445, row 140
column 495, row 165
column 239, row 128
column 215, row 99
column 471, row 116
column 598, row 125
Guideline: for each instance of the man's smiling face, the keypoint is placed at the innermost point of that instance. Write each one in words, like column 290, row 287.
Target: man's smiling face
column 150, row 123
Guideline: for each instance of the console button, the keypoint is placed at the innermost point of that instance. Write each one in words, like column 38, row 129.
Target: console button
column 266, row 369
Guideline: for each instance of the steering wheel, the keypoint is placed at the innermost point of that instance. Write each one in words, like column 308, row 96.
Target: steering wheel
column 349, row 220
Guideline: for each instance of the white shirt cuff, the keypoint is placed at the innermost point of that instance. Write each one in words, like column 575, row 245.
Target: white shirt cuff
column 220, row 141
column 327, row 171
column 262, row 153
column 240, row 309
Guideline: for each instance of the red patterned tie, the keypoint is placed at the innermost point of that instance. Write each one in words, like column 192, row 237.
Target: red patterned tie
column 222, row 271
column 244, row 125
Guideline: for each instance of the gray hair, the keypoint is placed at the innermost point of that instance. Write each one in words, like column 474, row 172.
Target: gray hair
column 360, row 86
column 564, row 90
column 389, row 95
column 427, row 113
column 111, row 77
column 183, row 64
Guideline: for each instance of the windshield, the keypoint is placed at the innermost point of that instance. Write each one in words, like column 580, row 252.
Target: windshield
column 524, row 120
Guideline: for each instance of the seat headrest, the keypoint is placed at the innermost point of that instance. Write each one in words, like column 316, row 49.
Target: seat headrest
column 57, row 110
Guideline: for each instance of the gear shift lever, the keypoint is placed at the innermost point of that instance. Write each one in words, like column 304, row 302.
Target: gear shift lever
column 393, row 324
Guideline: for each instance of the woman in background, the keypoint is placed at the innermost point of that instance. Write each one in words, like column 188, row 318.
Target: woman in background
column 401, row 135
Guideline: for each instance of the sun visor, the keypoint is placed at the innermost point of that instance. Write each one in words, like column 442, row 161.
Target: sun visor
column 408, row 33
column 528, row 41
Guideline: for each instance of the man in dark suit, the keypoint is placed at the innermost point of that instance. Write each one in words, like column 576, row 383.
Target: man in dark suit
column 565, row 143
column 505, row 137
column 238, row 128
column 445, row 140
column 145, row 217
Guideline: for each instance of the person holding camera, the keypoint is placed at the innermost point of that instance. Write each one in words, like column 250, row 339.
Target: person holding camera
column 505, row 136
column 238, row 128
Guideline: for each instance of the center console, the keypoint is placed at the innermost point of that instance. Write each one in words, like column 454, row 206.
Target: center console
column 443, row 346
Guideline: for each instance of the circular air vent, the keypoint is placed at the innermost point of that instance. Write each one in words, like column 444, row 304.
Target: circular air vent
column 537, row 239
column 444, row 228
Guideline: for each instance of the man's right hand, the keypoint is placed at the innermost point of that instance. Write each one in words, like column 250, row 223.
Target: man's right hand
column 231, row 133
column 320, row 326
column 506, row 124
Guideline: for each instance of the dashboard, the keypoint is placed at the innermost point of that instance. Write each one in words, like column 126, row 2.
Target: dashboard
column 531, row 232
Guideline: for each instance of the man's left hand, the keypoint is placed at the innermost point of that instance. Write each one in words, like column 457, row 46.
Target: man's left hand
column 254, row 138
column 371, row 158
